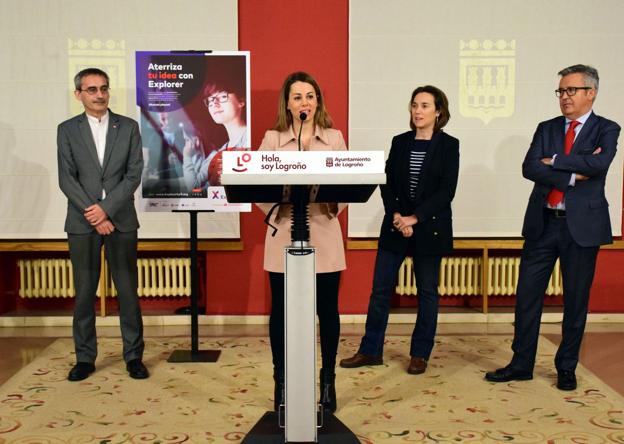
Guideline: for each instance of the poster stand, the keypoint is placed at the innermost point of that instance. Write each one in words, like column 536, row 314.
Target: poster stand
column 194, row 354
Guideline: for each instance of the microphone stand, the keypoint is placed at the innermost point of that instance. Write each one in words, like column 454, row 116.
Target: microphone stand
column 302, row 117
column 300, row 230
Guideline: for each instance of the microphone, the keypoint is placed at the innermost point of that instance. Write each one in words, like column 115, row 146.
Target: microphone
column 302, row 117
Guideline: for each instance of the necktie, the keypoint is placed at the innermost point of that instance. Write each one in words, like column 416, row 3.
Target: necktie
column 555, row 196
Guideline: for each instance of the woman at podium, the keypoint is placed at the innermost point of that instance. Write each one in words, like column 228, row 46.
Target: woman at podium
column 301, row 110
column 421, row 177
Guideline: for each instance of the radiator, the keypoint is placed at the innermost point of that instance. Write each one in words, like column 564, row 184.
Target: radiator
column 52, row 278
column 161, row 277
column 461, row 276
column 45, row 278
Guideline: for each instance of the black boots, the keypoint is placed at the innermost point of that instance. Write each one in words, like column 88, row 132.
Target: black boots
column 328, row 390
column 279, row 393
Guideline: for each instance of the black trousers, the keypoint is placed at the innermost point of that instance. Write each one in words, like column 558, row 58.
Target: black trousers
column 121, row 255
column 326, row 310
column 537, row 262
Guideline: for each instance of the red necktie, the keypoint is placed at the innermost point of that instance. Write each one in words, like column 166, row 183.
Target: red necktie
column 555, row 196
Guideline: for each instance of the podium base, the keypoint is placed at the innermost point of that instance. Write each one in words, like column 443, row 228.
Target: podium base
column 199, row 356
column 267, row 431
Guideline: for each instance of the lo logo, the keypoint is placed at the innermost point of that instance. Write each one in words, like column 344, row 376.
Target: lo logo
column 240, row 163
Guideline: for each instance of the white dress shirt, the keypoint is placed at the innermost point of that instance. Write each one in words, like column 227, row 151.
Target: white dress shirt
column 99, row 130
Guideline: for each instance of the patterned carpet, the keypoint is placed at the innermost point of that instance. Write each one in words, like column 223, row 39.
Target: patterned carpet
column 220, row 402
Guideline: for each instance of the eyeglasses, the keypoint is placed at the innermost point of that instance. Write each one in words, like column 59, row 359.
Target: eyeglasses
column 570, row 90
column 221, row 97
column 94, row 89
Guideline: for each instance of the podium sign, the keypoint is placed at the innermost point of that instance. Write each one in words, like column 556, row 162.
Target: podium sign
column 303, row 167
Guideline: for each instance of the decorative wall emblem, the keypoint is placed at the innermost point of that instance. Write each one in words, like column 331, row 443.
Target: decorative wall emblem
column 108, row 55
column 487, row 75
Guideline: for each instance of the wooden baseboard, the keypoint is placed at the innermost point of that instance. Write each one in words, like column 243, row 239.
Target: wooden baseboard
column 472, row 244
column 144, row 245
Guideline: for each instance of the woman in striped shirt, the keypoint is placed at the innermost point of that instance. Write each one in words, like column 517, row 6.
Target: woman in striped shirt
column 421, row 177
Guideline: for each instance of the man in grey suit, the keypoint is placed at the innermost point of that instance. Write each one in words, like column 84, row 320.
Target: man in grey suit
column 100, row 163
column 567, row 218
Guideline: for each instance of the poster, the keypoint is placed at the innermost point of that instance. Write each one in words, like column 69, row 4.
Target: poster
column 193, row 105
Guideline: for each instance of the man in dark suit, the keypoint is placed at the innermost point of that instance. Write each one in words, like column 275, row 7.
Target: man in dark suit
column 99, row 164
column 567, row 218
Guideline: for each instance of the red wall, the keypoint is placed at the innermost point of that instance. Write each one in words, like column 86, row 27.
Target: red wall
column 283, row 36
column 607, row 294
column 291, row 35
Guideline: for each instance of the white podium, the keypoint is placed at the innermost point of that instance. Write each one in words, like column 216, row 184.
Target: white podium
column 300, row 178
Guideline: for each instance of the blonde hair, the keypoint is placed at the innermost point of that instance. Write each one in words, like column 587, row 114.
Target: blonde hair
column 284, row 118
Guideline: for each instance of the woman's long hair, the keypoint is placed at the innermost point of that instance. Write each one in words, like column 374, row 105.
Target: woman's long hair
column 284, row 117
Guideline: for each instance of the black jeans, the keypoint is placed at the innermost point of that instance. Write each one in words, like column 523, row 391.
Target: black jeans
column 326, row 310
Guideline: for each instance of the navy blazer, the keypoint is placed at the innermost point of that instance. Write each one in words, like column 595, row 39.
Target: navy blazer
column 433, row 234
column 587, row 208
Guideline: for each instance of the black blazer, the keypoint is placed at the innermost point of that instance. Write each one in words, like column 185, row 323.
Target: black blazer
column 433, row 234
column 587, row 208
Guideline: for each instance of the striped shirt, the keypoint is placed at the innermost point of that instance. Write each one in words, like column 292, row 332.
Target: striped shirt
column 418, row 151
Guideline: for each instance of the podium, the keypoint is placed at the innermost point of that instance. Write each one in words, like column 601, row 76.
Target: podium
column 299, row 178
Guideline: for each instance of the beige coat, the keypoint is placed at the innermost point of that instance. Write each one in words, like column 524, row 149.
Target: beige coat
column 325, row 233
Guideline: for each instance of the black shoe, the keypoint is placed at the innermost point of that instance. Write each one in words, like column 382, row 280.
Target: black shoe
column 279, row 392
column 136, row 369
column 566, row 380
column 80, row 371
column 507, row 374
column 328, row 390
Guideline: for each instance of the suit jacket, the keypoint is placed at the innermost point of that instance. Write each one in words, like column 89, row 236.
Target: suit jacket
column 587, row 208
column 433, row 234
column 82, row 178
column 325, row 232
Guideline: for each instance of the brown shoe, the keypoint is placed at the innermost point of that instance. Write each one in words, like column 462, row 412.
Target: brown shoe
column 360, row 360
column 417, row 366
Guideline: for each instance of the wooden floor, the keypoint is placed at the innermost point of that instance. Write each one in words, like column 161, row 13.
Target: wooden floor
column 601, row 351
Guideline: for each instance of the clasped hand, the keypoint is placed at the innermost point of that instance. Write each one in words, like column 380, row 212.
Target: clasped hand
column 105, row 228
column 404, row 224
column 98, row 218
